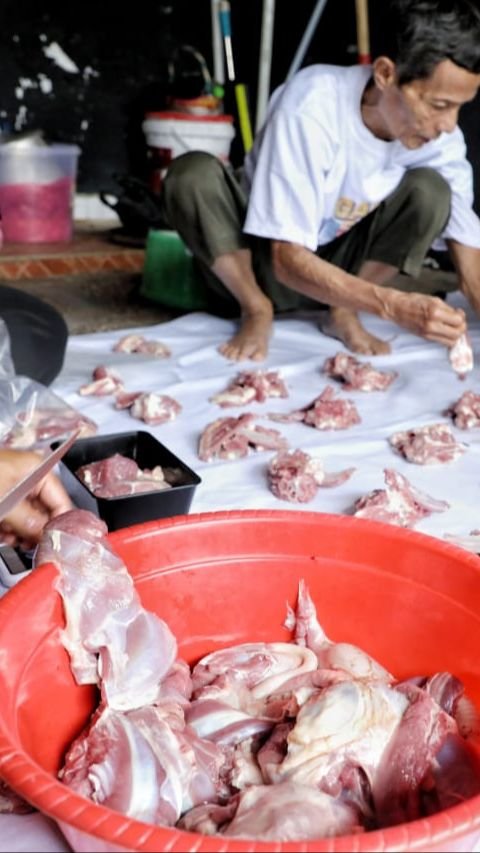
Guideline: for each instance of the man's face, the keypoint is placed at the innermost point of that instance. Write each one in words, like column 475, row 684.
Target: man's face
column 418, row 112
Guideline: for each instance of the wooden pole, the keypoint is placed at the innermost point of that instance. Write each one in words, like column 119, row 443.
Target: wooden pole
column 363, row 37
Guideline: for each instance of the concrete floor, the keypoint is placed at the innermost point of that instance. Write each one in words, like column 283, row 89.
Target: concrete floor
column 97, row 302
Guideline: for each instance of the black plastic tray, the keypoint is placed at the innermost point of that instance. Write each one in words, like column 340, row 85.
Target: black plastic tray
column 130, row 509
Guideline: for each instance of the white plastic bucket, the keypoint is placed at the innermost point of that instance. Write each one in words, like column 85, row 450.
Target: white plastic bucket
column 170, row 134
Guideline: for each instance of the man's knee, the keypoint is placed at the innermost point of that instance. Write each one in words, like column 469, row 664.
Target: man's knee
column 193, row 172
column 429, row 196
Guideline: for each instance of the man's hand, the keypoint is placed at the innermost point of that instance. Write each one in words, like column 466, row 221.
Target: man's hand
column 427, row 316
column 24, row 524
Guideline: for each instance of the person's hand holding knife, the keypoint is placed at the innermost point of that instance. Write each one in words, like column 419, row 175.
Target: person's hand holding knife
column 23, row 525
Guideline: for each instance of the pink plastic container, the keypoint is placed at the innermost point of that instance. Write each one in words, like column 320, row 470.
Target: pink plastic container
column 37, row 188
column 410, row 600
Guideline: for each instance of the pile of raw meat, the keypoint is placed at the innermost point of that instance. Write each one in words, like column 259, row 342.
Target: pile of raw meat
column 119, row 475
column 280, row 741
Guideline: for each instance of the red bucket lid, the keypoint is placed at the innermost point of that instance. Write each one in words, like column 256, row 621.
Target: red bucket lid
column 189, row 117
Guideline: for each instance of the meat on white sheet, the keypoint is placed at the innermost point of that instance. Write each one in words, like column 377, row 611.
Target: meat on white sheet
column 399, row 503
column 155, row 409
column 105, row 381
column 139, row 344
column 461, row 356
column 357, row 375
column 126, row 399
column 119, row 475
column 427, row 445
column 325, row 412
column 249, row 386
column 295, row 476
column 233, row 438
column 465, row 413
column 284, row 812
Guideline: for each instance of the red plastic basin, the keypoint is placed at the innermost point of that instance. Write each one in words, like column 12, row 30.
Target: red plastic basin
column 410, row 600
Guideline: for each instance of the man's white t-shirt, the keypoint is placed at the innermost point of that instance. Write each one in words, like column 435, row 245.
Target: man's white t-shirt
column 316, row 169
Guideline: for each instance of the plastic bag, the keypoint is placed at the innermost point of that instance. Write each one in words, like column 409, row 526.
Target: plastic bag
column 32, row 416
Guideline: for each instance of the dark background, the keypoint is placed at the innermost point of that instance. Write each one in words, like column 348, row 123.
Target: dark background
column 130, row 59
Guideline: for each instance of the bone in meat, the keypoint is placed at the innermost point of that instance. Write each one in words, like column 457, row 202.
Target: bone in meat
column 325, row 412
column 465, row 413
column 233, row 438
column 428, row 445
column 357, row 375
column 399, row 503
column 249, row 386
column 295, row 476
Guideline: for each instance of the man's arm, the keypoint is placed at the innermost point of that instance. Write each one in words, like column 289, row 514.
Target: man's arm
column 427, row 316
column 466, row 260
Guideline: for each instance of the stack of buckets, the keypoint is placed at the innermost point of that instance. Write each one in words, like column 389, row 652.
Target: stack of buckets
column 190, row 125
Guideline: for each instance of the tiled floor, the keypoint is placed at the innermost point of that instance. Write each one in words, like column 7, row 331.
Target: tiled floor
column 91, row 250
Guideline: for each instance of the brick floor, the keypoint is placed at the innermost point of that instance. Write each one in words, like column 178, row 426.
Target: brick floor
column 90, row 251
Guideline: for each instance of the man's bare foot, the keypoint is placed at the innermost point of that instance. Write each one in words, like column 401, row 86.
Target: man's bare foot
column 251, row 341
column 345, row 325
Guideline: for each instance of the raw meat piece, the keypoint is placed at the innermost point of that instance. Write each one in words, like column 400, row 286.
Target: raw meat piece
column 232, row 438
column 412, row 760
column 233, row 689
column 118, row 475
column 357, row 375
column 126, row 399
column 128, row 343
column 428, row 445
column 110, row 638
column 155, row 409
column 284, row 812
column 146, row 764
column 461, row 356
column 249, row 386
column 105, row 381
column 400, row 503
column 465, row 413
column 323, row 413
column 44, row 426
column 344, row 727
column 137, row 343
column 295, row 476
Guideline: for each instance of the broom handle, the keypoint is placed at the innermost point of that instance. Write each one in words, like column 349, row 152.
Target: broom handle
column 363, row 39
